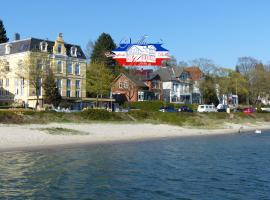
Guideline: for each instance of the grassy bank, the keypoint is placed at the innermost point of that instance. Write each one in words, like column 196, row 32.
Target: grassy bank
column 206, row 120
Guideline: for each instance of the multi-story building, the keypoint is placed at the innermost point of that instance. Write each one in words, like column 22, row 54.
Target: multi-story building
column 176, row 84
column 67, row 61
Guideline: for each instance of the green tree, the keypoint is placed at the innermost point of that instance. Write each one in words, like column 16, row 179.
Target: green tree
column 98, row 80
column 3, row 36
column 104, row 44
column 208, row 90
column 52, row 95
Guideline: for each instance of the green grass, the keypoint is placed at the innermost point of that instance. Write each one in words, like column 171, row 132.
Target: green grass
column 203, row 120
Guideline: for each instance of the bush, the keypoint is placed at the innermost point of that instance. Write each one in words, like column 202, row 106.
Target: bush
column 8, row 117
column 139, row 114
column 99, row 114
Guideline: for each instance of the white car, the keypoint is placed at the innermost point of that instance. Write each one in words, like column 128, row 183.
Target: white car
column 206, row 108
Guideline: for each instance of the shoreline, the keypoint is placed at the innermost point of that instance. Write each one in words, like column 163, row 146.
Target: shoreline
column 45, row 136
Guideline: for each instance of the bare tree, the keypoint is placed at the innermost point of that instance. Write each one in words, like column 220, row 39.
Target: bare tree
column 89, row 49
column 32, row 70
column 246, row 64
column 206, row 65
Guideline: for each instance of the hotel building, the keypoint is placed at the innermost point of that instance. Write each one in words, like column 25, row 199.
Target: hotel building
column 67, row 61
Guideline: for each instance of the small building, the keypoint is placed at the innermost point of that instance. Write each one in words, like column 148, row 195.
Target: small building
column 133, row 88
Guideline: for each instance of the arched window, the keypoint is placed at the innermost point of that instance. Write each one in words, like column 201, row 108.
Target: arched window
column 8, row 49
column 59, row 48
column 73, row 51
column 43, row 46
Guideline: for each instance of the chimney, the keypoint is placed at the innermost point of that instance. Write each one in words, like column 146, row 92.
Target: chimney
column 16, row 36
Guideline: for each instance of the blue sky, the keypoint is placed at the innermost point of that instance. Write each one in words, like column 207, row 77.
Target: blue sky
column 221, row 30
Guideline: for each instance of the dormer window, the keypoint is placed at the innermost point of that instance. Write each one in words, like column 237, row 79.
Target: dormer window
column 8, row 49
column 73, row 51
column 59, row 48
column 43, row 46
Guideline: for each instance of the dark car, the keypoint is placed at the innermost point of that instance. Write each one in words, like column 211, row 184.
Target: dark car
column 185, row 109
column 167, row 109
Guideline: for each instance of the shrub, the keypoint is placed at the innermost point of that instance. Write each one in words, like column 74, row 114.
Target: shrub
column 99, row 114
column 139, row 114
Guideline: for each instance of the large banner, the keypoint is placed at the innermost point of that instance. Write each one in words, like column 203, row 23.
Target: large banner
column 140, row 54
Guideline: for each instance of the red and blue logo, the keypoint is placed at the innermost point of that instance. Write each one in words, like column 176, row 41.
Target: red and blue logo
column 140, row 54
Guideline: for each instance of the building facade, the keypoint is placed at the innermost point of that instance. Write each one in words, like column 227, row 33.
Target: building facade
column 135, row 88
column 67, row 61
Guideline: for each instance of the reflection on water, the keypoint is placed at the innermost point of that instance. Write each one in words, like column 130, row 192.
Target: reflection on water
column 216, row 167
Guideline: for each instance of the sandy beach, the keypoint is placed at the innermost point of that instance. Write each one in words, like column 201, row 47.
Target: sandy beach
column 40, row 136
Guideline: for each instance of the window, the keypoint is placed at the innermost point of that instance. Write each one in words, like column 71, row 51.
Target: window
column 7, row 66
column 69, row 68
column 68, row 83
column 1, row 92
column 59, row 48
column 39, row 87
column 7, row 82
column 7, row 93
column 20, row 64
column 59, row 85
column 77, row 69
column 77, row 94
column 1, row 82
column 123, row 85
column 39, row 64
column 78, row 84
column 43, row 46
column 68, row 93
column 59, row 66
column 8, row 49
column 73, row 51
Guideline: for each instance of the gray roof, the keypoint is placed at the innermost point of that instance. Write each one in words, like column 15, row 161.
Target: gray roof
column 136, row 80
column 33, row 44
column 168, row 73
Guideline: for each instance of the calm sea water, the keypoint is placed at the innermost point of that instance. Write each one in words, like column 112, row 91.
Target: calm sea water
column 207, row 167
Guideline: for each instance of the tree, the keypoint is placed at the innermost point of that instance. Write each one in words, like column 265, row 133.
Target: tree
column 89, row 49
column 246, row 65
column 207, row 66
column 33, row 70
column 170, row 63
column 208, row 89
column 3, row 34
column 104, row 44
column 52, row 95
column 98, row 80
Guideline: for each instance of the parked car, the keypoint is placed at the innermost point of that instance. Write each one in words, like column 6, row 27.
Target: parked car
column 222, row 108
column 265, row 109
column 167, row 109
column 249, row 110
column 206, row 108
column 185, row 109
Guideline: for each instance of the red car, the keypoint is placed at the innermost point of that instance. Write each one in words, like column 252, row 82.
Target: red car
column 249, row 110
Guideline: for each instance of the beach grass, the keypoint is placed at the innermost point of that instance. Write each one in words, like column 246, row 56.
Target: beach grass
column 196, row 120
column 62, row 131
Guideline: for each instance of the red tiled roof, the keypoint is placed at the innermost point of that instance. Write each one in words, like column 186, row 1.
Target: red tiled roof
column 195, row 73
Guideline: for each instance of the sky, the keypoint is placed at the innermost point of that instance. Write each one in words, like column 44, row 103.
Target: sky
column 220, row 30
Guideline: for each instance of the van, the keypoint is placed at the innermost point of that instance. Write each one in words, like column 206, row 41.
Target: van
column 206, row 108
